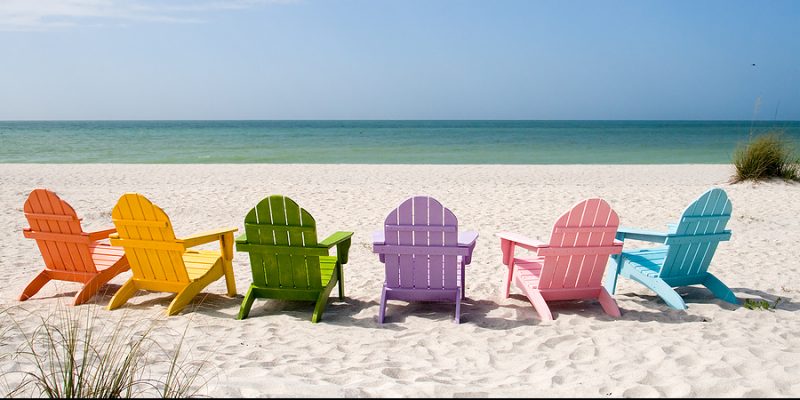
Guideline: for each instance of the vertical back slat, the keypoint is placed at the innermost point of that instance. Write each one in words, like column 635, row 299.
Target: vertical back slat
column 392, row 261
column 64, row 258
column 139, row 267
column 268, row 237
column 451, row 266
column 579, row 263
column 312, row 262
column 79, row 252
column 608, row 218
column 719, row 207
column 162, row 258
column 143, row 233
column 693, row 251
column 555, row 267
column 299, row 269
column 283, row 261
column 405, row 217
column 596, row 214
column 421, row 228
column 253, row 233
column 72, row 257
column 436, row 262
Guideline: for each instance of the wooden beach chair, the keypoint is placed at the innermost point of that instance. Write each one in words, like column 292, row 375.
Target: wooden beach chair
column 424, row 254
column 287, row 261
column 163, row 263
column 686, row 255
column 69, row 253
column 571, row 265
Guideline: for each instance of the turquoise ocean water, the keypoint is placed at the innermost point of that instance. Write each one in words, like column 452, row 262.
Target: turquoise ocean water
column 380, row 142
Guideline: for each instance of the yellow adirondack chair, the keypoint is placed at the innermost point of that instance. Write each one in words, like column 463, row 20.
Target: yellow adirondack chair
column 161, row 262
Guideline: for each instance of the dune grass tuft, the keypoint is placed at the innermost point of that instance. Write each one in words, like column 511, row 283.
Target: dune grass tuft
column 766, row 156
column 70, row 355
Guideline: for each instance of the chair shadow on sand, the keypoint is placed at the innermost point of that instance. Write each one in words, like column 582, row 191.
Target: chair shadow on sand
column 355, row 312
column 785, row 303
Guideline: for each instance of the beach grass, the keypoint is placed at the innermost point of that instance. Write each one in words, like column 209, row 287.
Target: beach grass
column 766, row 156
column 75, row 354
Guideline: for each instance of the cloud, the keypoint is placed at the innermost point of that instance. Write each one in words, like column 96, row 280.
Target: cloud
column 45, row 15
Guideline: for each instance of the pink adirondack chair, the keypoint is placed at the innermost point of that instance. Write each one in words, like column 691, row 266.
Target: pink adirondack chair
column 424, row 254
column 69, row 253
column 571, row 266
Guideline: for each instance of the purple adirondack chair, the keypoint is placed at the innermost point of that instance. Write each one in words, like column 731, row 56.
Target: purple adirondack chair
column 424, row 254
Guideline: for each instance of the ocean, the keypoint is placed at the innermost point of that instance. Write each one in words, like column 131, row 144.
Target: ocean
column 381, row 142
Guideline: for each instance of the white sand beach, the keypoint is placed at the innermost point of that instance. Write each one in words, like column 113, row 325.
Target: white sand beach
column 501, row 348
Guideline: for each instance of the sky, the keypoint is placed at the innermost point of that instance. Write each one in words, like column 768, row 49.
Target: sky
column 411, row 59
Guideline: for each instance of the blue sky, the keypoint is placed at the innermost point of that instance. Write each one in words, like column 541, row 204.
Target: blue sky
column 381, row 59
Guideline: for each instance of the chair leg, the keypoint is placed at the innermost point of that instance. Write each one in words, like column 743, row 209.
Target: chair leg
column 666, row 292
column 536, row 299
column 382, row 311
column 340, row 268
column 244, row 310
column 184, row 297
column 319, row 308
column 509, row 278
column 35, row 285
column 463, row 280
column 230, row 281
column 123, row 294
column 608, row 303
column 91, row 287
column 719, row 289
column 458, row 306
column 539, row 304
column 322, row 299
column 612, row 273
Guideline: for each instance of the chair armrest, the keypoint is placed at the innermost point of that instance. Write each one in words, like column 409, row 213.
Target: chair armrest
column 641, row 234
column 242, row 238
column 467, row 238
column 522, row 241
column 101, row 234
column 335, row 239
column 341, row 240
column 206, row 237
column 378, row 237
column 671, row 228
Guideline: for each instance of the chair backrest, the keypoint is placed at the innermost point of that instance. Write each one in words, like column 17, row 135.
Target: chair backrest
column 57, row 230
column 282, row 243
column 580, row 244
column 699, row 231
column 421, row 246
column 146, row 234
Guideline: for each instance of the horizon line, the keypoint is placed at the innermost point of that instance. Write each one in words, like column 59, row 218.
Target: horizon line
column 383, row 120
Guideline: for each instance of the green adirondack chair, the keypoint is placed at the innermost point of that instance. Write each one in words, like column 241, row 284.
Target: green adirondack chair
column 288, row 262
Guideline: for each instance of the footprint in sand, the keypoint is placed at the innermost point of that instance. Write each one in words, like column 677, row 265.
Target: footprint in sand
column 641, row 391
column 396, row 373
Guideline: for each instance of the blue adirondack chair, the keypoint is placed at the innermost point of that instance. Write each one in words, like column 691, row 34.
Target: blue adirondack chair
column 684, row 260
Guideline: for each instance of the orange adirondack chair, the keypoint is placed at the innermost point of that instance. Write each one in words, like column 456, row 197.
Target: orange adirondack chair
column 69, row 253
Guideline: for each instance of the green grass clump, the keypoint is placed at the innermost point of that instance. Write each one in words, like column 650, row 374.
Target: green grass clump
column 751, row 304
column 766, row 156
column 81, row 356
